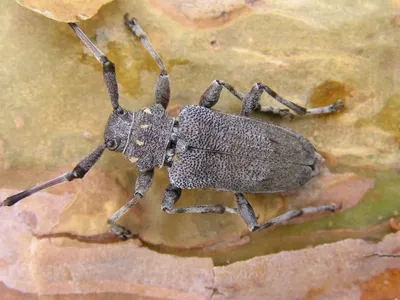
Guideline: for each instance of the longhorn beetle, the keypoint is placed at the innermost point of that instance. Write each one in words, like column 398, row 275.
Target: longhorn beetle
column 202, row 148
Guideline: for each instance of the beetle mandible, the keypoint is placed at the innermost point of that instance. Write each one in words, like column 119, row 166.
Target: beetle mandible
column 202, row 148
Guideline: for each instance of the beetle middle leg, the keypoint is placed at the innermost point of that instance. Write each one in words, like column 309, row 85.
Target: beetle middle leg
column 246, row 212
column 251, row 101
column 211, row 96
column 163, row 92
column 143, row 183
column 172, row 195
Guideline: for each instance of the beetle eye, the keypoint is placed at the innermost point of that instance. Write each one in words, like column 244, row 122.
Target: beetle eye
column 120, row 111
column 112, row 144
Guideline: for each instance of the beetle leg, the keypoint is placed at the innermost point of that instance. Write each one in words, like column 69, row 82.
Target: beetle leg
column 171, row 196
column 138, row 31
column 108, row 67
column 297, row 213
column 162, row 92
column 162, row 87
column 251, row 103
column 211, row 96
column 275, row 110
column 143, row 183
column 119, row 230
column 247, row 213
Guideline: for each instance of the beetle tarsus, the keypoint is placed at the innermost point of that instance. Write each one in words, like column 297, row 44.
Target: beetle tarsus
column 138, row 31
column 122, row 232
column 297, row 213
column 335, row 107
column 143, row 183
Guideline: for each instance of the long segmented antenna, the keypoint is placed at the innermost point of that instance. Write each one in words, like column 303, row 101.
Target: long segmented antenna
column 78, row 172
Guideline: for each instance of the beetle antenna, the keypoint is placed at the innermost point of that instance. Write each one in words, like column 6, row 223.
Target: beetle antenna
column 78, row 172
column 108, row 67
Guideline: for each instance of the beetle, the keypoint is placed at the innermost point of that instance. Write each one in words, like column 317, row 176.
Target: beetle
column 202, row 148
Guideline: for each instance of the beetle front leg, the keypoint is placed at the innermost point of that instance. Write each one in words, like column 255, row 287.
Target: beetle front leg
column 138, row 31
column 143, row 183
column 172, row 195
column 108, row 67
column 247, row 213
column 163, row 91
column 162, row 87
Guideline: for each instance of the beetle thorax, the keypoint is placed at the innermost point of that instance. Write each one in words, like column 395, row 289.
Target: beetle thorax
column 149, row 137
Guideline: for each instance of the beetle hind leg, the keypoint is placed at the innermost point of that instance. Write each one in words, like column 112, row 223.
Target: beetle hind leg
column 246, row 212
column 297, row 213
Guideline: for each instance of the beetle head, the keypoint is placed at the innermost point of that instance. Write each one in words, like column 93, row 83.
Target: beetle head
column 118, row 129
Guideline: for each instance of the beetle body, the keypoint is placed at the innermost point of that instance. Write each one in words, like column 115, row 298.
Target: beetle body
column 207, row 149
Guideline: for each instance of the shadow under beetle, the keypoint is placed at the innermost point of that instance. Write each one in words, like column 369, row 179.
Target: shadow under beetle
column 202, row 148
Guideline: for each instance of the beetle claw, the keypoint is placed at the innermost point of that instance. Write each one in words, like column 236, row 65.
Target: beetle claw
column 122, row 232
column 335, row 207
column 289, row 115
column 128, row 21
column 286, row 113
column 337, row 106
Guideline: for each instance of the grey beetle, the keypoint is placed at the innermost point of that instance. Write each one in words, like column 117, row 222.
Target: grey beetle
column 202, row 148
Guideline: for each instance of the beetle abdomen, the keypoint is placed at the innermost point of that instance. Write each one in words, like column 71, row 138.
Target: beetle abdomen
column 235, row 153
